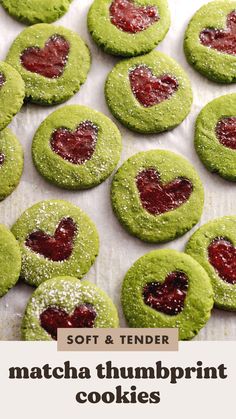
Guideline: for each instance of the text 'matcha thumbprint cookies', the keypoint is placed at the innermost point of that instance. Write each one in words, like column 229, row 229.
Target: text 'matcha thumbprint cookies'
column 166, row 288
column 76, row 147
column 149, row 94
column 35, row 11
column 66, row 302
column 128, row 27
column 56, row 238
column 215, row 136
column 157, row 196
column 52, row 60
column 210, row 41
column 12, row 93
column 10, row 260
column 214, row 246
column 11, row 163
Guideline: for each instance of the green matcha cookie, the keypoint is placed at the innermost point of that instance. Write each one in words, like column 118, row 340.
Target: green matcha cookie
column 165, row 288
column 10, row 260
column 128, row 27
column 56, row 238
column 11, row 163
column 66, row 302
column 76, row 147
column 215, row 136
column 157, row 196
column 210, row 41
column 36, row 11
column 149, row 94
column 12, row 93
column 53, row 62
column 213, row 246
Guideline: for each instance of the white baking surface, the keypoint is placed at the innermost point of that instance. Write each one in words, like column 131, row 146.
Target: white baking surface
column 118, row 250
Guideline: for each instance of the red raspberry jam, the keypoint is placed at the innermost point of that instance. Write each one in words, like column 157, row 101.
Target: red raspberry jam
column 157, row 198
column 49, row 61
column 222, row 256
column 169, row 296
column 129, row 17
column 150, row 90
column 75, row 146
column 223, row 40
column 58, row 247
column 226, row 132
column 54, row 318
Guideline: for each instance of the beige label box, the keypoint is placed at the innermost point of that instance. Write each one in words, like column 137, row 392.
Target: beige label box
column 117, row 340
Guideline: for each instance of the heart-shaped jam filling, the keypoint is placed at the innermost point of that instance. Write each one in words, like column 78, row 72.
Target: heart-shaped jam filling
column 54, row 318
column 222, row 40
column 49, row 61
column 222, row 256
column 150, row 90
column 75, row 146
column 226, row 132
column 2, row 159
column 169, row 296
column 129, row 17
column 2, row 80
column 157, row 198
column 58, row 247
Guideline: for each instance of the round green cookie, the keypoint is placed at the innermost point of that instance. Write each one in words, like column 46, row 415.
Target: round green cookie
column 165, row 288
column 115, row 39
column 66, row 300
column 12, row 93
column 149, row 94
column 212, row 245
column 52, row 60
column 36, row 11
column 10, row 260
column 56, row 238
column 11, row 162
column 157, row 196
column 76, row 147
column 211, row 26
column 215, row 137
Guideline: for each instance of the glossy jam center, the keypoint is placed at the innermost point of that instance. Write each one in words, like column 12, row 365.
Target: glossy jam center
column 77, row 146
column 128, row 17
column 150, row 90
column 2, row 159
column 2, row 80
column 226, row 132
column 157, row 198
column 169, row 296
column 49, row 61
column 222, row 256
column 54, row 318
column 223, row 40
column 58, row 247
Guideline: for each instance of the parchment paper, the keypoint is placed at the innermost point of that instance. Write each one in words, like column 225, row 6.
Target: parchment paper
column 118, row 249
